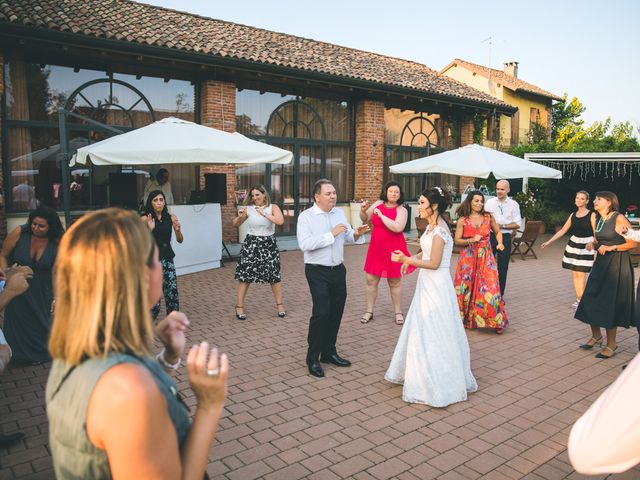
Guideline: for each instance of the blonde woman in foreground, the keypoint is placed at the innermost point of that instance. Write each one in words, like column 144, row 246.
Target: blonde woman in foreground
column 113, row 410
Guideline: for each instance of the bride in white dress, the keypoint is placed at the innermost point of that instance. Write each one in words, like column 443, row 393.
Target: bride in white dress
column 432, row 356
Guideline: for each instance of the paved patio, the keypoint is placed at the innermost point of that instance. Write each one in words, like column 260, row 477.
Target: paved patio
column 281, row 423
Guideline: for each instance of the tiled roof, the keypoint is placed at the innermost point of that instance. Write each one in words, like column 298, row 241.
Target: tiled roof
column 143, row 24
column 509, row 81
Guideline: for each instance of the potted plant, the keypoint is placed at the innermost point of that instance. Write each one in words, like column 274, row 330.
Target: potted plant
column 557, row 218
column 531, row 208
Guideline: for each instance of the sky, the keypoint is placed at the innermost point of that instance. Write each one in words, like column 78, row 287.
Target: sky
column 588, row 49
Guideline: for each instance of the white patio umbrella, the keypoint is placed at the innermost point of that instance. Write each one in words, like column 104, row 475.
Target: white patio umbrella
column 172, row 140
column 477, row 161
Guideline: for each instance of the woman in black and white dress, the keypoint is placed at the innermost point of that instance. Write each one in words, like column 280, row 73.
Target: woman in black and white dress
column 259, row 260
column 576, row 256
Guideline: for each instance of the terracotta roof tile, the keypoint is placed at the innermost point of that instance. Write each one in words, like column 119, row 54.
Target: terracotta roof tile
column 509, row 81
column 155, row 26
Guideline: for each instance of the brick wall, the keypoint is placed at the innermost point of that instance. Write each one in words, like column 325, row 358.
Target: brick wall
column 369, row 149
column 466, row 138
column 218, row 110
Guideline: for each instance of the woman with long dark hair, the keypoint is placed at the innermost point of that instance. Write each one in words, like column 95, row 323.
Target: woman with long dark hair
column 431, row 358
column 388, row 217
column 608, row 300
column 162, row 224
column 259, row 260
column 576, row 256
column 27, row 319
column 476, row 280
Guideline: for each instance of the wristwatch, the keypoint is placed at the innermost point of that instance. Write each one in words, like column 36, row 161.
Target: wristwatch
column 162, row 361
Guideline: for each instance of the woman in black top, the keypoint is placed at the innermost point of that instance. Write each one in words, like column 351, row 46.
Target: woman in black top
column 608, row 300
column 576, row 256
column 161, row 222
column 27, row 319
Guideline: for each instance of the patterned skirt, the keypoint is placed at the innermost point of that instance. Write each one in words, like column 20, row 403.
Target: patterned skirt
column 259, row 260
column 576, row 256
column 478, row 289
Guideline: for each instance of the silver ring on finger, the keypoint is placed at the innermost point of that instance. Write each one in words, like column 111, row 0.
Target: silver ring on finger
column 213, row 372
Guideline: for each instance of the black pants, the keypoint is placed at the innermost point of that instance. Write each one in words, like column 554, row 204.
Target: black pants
column 502, row 258
column 328, row 288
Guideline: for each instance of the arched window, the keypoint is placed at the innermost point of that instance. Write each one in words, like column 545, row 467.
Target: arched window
column 411, row 135
column 296, row 119
column 419, row 132
column 319, row 134
column 34, row 94
column 112, row 102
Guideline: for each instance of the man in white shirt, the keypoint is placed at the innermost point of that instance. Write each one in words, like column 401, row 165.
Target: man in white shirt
column 506, row 213
column 322, row 232
column 161, row 182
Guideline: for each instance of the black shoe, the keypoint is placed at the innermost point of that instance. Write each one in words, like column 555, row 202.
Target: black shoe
column 335, row 359
column 240, row 316
column 315, row 368
column 7, row 440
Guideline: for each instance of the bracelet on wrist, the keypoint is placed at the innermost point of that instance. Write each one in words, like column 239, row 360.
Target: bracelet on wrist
column 162, row 361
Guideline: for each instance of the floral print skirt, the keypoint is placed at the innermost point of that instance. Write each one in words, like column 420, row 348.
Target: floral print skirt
column 169, row 289
column 259, row 260
column 478, row 290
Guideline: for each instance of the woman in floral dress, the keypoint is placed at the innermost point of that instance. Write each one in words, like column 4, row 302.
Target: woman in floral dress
column 476, row 281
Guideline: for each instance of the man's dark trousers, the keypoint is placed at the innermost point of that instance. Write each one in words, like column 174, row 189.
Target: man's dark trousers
column 502, row 258
column 329, row 293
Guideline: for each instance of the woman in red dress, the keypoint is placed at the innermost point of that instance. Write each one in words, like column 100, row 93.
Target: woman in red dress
column 476, row 281
column 388, row 217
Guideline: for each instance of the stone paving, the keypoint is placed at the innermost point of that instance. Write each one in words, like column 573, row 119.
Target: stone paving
column 281, row 423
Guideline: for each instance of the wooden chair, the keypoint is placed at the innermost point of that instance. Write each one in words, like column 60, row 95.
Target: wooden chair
column 526, row 240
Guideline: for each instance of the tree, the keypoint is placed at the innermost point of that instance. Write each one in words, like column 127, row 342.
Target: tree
column 182, row 105
column 565, row 118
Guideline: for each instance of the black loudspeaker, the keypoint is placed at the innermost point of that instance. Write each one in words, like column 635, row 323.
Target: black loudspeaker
column 215, row 187
column 122, row 190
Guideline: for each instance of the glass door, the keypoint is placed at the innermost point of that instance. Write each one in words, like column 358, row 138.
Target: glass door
column 292, row 185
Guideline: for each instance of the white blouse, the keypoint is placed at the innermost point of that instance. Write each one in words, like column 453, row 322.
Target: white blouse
column 632, row 235
column 257, row 225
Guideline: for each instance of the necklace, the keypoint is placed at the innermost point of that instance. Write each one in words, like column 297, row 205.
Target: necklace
column 601, row 222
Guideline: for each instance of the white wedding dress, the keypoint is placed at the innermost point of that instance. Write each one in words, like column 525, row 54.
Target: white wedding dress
column 432, row 356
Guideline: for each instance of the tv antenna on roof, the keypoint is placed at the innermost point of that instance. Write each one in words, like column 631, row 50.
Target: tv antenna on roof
column 490, row 40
